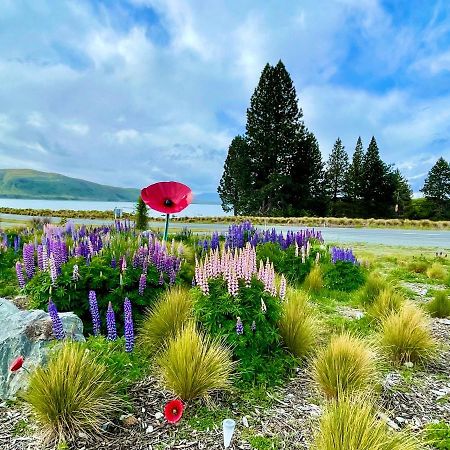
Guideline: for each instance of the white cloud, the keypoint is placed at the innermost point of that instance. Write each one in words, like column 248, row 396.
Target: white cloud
column 36, row 120
column 76, row 127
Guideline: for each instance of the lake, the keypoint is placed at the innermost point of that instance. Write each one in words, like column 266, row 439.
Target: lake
column 194, row 210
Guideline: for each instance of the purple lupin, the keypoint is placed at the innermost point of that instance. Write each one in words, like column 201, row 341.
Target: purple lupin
column 93, row 307
column 111, row 323
column 58, row 330
column 19, row 273
column 129, row 328
column 142, row 283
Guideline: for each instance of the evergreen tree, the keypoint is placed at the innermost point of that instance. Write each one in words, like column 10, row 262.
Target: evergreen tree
column 141, row 214
column 402, row 192
column 437, row 189
column 354, row 177
column 337, row 166
column 234, row 184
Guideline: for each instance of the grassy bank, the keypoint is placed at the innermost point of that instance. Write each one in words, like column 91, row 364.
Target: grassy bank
column 298, row 221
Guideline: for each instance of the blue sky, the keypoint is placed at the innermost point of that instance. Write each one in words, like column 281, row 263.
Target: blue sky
column 129, row 92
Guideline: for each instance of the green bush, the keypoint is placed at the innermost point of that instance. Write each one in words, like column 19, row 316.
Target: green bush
column 343, row 276
column 165, row 318
column 74, row 393
column 299, row 326
column 351, row 423
column 193, row 365
column 440, row 305
column 437, row 435
column 346, row 365
column 258, row 348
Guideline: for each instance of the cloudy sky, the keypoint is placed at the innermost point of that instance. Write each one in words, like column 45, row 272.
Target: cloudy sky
column 129, row 92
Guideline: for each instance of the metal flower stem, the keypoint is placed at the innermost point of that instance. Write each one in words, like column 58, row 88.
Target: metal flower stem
column 166, row 228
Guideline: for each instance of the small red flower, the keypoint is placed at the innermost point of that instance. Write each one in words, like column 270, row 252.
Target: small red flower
column 16, row 364
column 173, row 411
column 168, row 197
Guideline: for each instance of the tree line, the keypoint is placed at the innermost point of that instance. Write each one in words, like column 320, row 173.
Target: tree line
column 276, row 167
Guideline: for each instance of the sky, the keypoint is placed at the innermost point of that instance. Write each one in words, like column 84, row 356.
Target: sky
column 130, row 92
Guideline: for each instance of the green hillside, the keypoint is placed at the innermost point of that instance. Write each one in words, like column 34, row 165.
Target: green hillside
column 27, row 183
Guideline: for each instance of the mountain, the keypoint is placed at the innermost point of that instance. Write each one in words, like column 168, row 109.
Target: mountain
column 32, row 184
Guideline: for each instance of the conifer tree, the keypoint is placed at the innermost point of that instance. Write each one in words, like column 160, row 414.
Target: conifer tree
column 337, row 166
column 402, row 192
column 141, row 214
column 436, row 189
column 354, row 175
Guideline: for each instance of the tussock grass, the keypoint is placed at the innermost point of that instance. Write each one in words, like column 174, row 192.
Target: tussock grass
column 298, row 326
column 371, row 290
column 346, row 364
column 314, row 280
column 437, row 271
column 193, row 364
column 418, row 266
column 387, row 302
column 440, row 305
column 172, row 310
column 351, row 423
column 405, row 336
column 72, row 394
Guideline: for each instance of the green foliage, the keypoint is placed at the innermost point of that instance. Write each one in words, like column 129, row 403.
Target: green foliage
column 387, row 302
column 437, row 271
column 141, row 218
column 345, row 365
column 437, row 183
column 437, row 435
column 167, row 316
column 337, row 166
column 299, row 326
column 8, row 279
column 343, row 276
column 354, row 177
column 259, row 353
column 440, row 305
column 418, row 265
column 405, row 336
column 314, row 280
column 351, row 424
column 371, row 290
column 72, row 394
column 193, row 365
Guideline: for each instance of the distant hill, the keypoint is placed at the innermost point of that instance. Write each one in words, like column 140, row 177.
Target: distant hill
column 32, row 184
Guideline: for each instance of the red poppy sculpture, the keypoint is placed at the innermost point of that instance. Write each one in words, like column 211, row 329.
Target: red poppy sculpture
column 173, row 411
column 168, row 197
column 16, row 364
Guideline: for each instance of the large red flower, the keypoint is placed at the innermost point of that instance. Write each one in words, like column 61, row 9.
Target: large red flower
column 168, row 197
column 16, row 364
column 173, row 411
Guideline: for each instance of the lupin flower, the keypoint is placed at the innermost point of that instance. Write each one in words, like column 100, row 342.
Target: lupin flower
column 53, row 269
column 282, row 287
column 129, row 328
column 58, row 329
column 253, row 326
column 113, row 262
column 93, row 308
column 75, row 273
column 239, row 326
column 28, row 259
column 142, row 284
column 161, row 279
column 263, row 306
column 111, row 323
column 19, row 273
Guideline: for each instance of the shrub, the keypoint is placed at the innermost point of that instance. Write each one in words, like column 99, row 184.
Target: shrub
column 351, row 424
column 387, row 302
column 193, row 365
column 437, row 271
column 344, row 276
column 405, row 336
column 440, row 305
column 314, row 280
column 370, row 291
column 437, row 435
column 298, row 325
column 347, row 364
column 418, row 266
column 166, row 318
column 73, row 393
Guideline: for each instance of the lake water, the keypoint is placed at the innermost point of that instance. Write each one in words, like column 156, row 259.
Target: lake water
column 193, row 210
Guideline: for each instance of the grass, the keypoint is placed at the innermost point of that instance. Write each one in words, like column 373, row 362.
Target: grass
column 165, row 319
column 298, row 326
column 372, row 289
column 405, row 336
column 387, row 302
column 437, row 271
column 314, row 280
column 437, row 435
column 193, row 365
column 72, row 394
column 351, row 424
column 345, row 365
column 440, row 305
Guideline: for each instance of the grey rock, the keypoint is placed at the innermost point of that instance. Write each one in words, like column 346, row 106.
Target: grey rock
column 27, row 333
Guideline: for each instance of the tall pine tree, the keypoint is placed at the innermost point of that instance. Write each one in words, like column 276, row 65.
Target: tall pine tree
column 354, row 175
column 337, row 166
column 437, row 189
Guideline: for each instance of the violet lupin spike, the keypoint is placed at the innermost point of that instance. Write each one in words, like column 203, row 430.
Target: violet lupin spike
column 93, row 307
column 111, row 323
column 19, row 273
column 142, row 284
column 128, row 325
column 58, row 329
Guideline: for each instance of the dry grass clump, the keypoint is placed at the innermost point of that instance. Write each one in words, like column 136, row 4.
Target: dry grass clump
column 193, row 364
column 371, row 290
column 298, row 326
column 172, row 310
column 314, row 280
column 418, row 266
column 351, row 423
column 440, row 305
column 405, row 336
column 387, row 302
column 72, row 394
column 437, row 271
column 347, row 364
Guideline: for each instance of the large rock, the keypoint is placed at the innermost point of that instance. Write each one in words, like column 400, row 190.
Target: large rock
column 27, row 333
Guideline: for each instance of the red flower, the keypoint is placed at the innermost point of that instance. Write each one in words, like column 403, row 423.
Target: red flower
column 16, row 364
column 173, row 411
column 168, row 197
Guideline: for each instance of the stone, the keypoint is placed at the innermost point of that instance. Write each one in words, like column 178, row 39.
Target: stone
column 159, row 415
column 129, row 420
column 27, row 333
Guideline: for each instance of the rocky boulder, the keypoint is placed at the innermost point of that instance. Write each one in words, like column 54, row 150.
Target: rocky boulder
column 27, row 333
